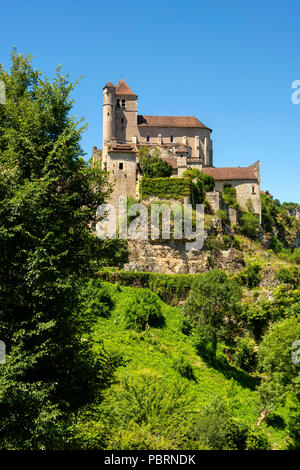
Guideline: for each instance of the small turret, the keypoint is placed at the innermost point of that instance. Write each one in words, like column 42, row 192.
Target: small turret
column 109, row 94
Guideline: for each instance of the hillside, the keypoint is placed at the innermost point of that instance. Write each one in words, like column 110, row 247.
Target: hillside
column 152, row 356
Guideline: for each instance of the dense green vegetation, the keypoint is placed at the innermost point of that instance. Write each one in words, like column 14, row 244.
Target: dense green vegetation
column 280, row 222
column 171, row 288
column 229, row 196
column 165, row 188
column 152, row 165
column 200, row 184
column 144, row 361
column 49, row 197
column 169, row 394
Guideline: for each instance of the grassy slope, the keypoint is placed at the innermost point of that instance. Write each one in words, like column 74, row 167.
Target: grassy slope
column 153, row 352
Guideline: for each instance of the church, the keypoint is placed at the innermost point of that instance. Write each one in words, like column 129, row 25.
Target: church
column 183, row 141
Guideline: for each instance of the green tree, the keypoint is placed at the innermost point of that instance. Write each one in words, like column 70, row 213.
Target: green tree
column 143, row 310
column 202, row 184
column 213, row 306
column 229, row 196
column 249, row 224
column 49, row 197
column 275, row 361
column 152, row 165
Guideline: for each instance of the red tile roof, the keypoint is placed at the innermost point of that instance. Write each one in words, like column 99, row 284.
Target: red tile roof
column 170, row 121
column 123, row 148
column 233, row 173
column 182, row 149
column 123, row 89
column 109, row 85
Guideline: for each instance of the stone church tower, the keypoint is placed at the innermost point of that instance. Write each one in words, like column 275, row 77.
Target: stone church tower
column 183, row 141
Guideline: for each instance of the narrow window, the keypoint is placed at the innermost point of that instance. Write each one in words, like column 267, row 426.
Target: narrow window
column 148, row 138
column 123, row 103
column 118, row 103
column 172, row 139
column 120, row 165
column 253, row 189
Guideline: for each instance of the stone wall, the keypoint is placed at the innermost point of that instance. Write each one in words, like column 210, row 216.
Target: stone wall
column 124, row 179
column 195, row 138
column 215, row 200
column 171, row 258
column 245, row 190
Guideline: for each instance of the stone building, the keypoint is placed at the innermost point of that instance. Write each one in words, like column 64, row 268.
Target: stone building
column 183, row 141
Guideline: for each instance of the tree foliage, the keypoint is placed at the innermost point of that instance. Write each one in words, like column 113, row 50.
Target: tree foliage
column 49, row 197
column 213, row 306
column 152, row 165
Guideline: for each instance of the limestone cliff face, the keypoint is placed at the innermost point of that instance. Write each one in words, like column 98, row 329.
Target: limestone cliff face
column 171, row 258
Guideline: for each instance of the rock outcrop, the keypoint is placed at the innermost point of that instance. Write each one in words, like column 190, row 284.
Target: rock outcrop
column 171, row 258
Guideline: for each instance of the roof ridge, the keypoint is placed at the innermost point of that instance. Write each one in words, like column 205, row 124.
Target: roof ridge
column 169, row 121
column 123, row 89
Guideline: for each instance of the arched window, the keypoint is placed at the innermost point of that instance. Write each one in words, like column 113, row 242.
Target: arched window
column 172, row 139
column 148, row 138
column 118, row 103
column 123, row 103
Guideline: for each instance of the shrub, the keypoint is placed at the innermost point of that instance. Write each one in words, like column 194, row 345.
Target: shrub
column 235, row 243
column 293, row 426
column 275, row 355
column 186, row 327
column 213, row 244
column 257, row 316
column 226, row 241
column 257, row 440
column 95, row 300
column 207, row 207
column 289, row 276
column 208, row 180
column 199, row 191
column 215, row 427
column 249, row 224
column 205, row 343
column 213, row 298
column 229, row 196
column 152, row 165
column 250, row 276
column 223, row 216
column 295, row 257
column 139, row 437
column 160, row 405
column 275, row 420
column 276, row 245
column 171, row 288
column 245, row 355
column 184, row 368
column 143, row 310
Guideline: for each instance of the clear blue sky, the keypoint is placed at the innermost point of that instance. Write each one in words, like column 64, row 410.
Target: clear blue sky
column 229, row 62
